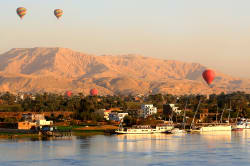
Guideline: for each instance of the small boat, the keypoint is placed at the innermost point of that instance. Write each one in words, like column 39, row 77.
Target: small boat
column 237, row 129
column 177, row 131
column 243, row 124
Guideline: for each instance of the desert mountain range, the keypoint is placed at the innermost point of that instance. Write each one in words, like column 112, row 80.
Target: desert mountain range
column 59, row 69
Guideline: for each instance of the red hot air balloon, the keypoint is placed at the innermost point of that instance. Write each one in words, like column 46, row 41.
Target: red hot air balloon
column 21, row 11
column 208, row 76
column 68, row 93
column 94, row 92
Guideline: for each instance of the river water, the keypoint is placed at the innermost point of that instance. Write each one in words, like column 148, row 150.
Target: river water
column 206, row 149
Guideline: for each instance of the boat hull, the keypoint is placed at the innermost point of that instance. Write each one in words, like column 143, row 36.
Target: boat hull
column 216, row 128
column 145, row 131
column 124, row 132
column 237, row 129
column 177, row 131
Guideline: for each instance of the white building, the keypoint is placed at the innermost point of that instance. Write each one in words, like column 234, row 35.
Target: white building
column 117, row 116
column 44, row 122
column 106, row 114
column 147, row 110
column 37, row 119
column 122, row 115
column 22, row 96
column 33, row 117
column 175, row 109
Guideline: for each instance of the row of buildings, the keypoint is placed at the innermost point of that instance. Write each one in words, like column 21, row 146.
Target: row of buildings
column 145, row 111
column 32, row 121
column 117, row 115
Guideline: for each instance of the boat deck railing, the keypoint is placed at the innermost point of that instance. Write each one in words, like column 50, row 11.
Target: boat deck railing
column 213, row 124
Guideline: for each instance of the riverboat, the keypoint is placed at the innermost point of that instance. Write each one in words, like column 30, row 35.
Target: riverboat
column 216, row 128
column 145, row 129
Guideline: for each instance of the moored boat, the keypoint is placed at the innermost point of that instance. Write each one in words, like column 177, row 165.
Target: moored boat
column 145, row 129
column 216, row 128
column 243, row 124
column 237, row 129
column 177, row 131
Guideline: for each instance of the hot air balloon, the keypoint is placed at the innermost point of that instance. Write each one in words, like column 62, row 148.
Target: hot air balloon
column 58, row 13
column 208, row 76
column 21, row 11
column 94, row 92
column 68, row 94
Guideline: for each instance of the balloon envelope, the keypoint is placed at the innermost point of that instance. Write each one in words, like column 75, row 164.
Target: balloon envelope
column 21, row 12
column 58, row 13
column 93, row 92
column 208, row 76
column 68, row 93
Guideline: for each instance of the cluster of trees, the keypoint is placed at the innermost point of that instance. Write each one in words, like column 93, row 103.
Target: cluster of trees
column 232, row 105
column 85, row 107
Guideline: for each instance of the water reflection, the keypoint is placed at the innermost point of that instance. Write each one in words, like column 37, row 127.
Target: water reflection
column 216, row 136
column 208, row 148
column 144, row 142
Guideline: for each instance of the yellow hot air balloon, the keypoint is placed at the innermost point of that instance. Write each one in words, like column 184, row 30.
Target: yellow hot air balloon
column 21, row 11
column 58, row 13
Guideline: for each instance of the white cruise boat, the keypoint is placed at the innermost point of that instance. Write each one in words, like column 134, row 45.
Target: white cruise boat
column 145, row 129
column 243, row 124
column 217, row 128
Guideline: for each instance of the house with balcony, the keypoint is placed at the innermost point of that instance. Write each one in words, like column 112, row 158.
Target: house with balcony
column 147, row 110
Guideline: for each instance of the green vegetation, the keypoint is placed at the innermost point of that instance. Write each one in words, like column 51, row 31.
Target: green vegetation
column 18, row 135
column 11, row 108
column 85, row 108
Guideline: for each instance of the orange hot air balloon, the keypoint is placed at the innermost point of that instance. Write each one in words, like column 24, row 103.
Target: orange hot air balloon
column 58, row 13
column 94, row 92
column 208, row 76
column 21, row 12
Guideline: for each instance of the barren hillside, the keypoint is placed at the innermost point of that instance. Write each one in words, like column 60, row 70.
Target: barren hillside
column 60, row 69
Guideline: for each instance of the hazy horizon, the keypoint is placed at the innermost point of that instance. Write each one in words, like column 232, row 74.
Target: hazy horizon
column 213, row 33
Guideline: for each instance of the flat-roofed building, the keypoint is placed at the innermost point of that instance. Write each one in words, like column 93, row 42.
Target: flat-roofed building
column 147, row 110
column 32, row 117
column 26, row 125
column 44, row 122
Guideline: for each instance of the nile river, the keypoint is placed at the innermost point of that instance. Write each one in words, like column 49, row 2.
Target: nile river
column 207, row 149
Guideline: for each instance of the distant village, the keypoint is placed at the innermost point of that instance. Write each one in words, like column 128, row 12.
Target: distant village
column 35, row 111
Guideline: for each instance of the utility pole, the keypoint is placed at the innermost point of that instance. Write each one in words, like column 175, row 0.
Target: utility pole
column 217, row 114
column 228, row 119
column 195, row 113
column 222, row 114
column 184, row 116
column 237, row 116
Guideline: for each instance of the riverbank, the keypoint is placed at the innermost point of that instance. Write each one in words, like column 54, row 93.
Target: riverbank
column 18, row 135
column 15, row 133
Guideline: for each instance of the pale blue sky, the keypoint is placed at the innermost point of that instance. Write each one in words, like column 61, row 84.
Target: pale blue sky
column 215, row 33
